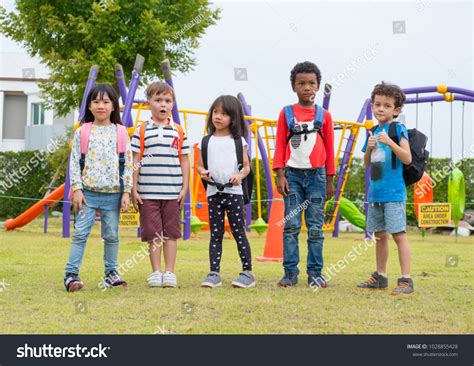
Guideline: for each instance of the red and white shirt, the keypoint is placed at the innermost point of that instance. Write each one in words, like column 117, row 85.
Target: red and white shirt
column 309, row 153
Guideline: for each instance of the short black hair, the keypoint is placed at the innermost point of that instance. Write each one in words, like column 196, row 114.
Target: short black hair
column 389, row 90
column 306, row 67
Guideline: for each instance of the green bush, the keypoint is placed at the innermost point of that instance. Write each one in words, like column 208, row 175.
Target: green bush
column 23, row 174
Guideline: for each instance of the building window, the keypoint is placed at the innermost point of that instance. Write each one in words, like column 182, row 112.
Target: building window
column 37, row 110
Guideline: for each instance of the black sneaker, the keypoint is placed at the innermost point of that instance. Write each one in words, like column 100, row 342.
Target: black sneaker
column 72, row 282
column 289, row 279
column 404, row 287
column 316, row 280
column 375, row 282
column 113, row 279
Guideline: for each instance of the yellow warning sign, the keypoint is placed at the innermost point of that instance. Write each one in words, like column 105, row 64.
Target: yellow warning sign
column 434, row 214
column 130, row 218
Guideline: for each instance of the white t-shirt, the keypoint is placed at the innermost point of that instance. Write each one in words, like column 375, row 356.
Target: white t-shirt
column 222, row 163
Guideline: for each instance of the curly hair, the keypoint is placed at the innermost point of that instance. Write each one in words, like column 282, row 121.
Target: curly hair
column 389, row 90
column 305, row 68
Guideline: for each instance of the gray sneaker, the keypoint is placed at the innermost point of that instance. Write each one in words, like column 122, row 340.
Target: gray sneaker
column 213, row 279
column 404, row 287
column 246, row 279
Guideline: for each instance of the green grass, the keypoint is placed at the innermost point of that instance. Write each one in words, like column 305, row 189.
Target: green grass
column 34, row 301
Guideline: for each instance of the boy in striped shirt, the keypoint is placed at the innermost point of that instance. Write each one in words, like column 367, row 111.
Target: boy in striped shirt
column 161, row 183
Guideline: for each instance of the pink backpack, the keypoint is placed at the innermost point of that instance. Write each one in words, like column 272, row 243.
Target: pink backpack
column 121, row 149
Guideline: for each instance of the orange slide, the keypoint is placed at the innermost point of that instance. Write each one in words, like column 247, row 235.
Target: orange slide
column 35, row 210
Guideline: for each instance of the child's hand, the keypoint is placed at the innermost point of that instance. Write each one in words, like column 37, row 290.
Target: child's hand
column 205, row 175
column 383, row 138
column 372, row 141
column 181, row 198
column 329, row 189
column 282, row 185
column 136, row 199
column 78, row 200
column 236, row 179
column 125, row 203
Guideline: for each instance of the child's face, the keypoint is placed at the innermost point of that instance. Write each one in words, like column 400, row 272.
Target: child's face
column 383, row 108
column 160, row 106
column 220, row 119
column 101, row 107
column 306, row 86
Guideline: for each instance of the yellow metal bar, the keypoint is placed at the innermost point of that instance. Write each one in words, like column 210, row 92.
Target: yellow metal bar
column 340, row 145
column 257, row 168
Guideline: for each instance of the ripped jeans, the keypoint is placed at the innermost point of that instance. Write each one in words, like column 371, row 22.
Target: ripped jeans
column 307, row 193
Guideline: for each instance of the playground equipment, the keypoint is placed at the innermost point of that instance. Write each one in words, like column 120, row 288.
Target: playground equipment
column 261, row 147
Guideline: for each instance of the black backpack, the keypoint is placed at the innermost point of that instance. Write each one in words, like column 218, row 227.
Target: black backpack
column 412, row 172
column 247, row 182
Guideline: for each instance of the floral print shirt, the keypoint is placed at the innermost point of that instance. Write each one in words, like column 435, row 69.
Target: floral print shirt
column 101, row 168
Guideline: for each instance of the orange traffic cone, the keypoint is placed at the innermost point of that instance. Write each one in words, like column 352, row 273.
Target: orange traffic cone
column 273, row 251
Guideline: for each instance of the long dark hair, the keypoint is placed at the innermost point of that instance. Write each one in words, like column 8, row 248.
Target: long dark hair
column 232, row 106
column 100, row 90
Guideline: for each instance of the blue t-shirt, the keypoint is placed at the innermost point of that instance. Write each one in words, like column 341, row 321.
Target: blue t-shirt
column 386, row 184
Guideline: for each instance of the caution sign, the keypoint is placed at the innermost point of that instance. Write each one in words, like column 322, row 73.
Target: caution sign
column 130, row 218
column 434, row 214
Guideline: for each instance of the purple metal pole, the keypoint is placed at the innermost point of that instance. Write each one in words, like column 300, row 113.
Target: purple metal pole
column 327, row 96
column 46, row 213
column 344, row 165
column 438, row 98
column 120, row 76
column 165, row 66
column 67, row 185
column 263, row 155
column 137, row 69
column 430, row 89
column 367, row 178
column 248, row 209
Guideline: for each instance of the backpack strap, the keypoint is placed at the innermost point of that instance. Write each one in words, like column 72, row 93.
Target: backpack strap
column 392, row 133
column 84, row 139
column 290, row 120
column 142, row 138
column 239, row 150
column 204, row 146
column 121, row 149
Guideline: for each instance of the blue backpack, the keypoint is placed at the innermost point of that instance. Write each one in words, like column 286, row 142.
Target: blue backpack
column 298, row 130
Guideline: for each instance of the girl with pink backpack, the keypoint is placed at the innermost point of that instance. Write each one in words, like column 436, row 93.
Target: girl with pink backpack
column 101, row 180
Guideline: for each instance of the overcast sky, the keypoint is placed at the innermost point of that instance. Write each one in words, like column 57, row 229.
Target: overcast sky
column 354, row 45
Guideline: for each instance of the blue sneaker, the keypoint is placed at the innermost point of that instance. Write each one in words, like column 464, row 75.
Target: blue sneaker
column 289, row 279
column 316, row 280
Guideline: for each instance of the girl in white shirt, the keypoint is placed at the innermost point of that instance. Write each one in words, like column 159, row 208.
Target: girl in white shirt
column 226, row 124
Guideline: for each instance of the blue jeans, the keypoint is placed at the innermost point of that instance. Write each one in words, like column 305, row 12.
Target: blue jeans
column 109, row 206
column 307, row 193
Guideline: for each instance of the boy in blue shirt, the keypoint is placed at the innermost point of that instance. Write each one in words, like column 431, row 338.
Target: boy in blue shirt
column 387, row 192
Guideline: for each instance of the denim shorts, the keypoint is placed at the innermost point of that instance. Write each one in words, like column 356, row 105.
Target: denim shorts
column 387, row 216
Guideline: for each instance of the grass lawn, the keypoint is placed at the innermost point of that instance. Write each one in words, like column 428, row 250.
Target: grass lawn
column 33, row 299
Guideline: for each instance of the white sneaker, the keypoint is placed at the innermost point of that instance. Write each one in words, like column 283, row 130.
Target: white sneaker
column 169, row 279
column 155, row 279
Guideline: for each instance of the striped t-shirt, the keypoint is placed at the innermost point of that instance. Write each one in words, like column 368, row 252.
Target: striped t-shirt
column 160, row 174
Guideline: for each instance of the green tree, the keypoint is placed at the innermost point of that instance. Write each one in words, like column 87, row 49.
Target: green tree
column 71, row 36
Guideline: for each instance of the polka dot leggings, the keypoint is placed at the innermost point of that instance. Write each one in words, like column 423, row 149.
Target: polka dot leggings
column 233, row 204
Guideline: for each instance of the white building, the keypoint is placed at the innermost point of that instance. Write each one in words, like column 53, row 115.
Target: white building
column 24, row 123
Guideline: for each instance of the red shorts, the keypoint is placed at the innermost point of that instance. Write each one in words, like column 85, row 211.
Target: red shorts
column 160, row 219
